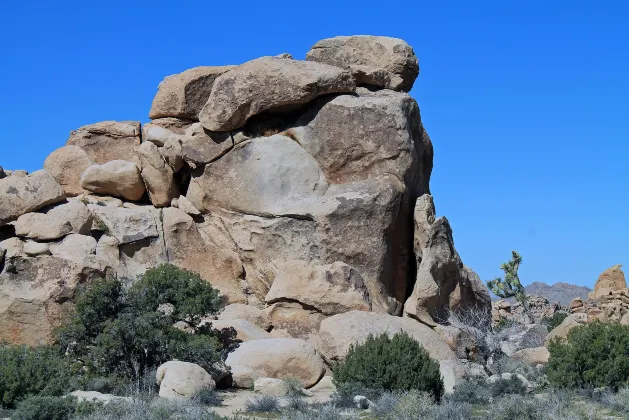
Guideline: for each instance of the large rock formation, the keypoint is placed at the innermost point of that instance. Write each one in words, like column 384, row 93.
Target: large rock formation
column 303, row 198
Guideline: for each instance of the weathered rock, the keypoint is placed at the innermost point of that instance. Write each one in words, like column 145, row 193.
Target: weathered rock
column 2, row 173
column 247, row 312
column 613, row 279
column 126, row 225
column 76, row 213
column 326, row 384
column 41, row 226
column 373, row 60
column 561, row 331
column 97, row 397
column 188, row 249
column 279, row 358
column 266, row 84
column 533, row 356
column 182, row 379
column 173, row 154
column 35, row 295
column 330, row 289
column 391, row 135
column 183, row 95
column 199, row 146
column 245, row 330
column 33, row 249
column 162, row 130
column 265, row 176
column 292, row 319
column 12, row 247
column 75, row 248
column 271, row 386
column 338, row 332
column 185, row 205
column 66, row 165
column 452, row 373
column 158, row 176
column 119, row 178
column 20, row 195
column 108, row 140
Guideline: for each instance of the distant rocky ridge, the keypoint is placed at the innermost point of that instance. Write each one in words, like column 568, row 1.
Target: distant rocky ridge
column 558, row 292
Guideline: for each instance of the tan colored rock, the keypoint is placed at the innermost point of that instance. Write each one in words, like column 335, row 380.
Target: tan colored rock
column 338, row 332
column 245, row 330
column 247, row 312
column 291, row 319
column 20, row 195
column 269, row 83
column 98, row 398
column 373, row 60
column 533, row 356
column 158, row 176
column 12, row 247
column 107, row 140
column 611, row 279
column 117, row 177
column 173, row 154
column 162, row 130
column 265, row 176
column 183, row 95
column 199, row 146
column 178, row 380
column 576, row 303
column 188, row 249
column 279, row 358
column 34, row 249
column 126, row 225
column 41, row 226
column 107, row 251
column 330, row 288
column 184, row 204
column 76, row 213
column 561, row 331
column 36, row 295
column 75, row 248
column 66, row 165
column 271, row 386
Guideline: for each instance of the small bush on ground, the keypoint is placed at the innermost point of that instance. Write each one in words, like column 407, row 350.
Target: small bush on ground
column 413, row 405
column 511, row 407
column 553, row 321
column 471, row 393
column 155, row 409
column 505, row 324
column 503, row 386
column 208, row 397
column 397, row 363
column 325, row 412
column 263, row 404
column 51, row 408
column 344, row 395
column 618, row 401
column 28, row 371
column 294, row 386
column 593, row 356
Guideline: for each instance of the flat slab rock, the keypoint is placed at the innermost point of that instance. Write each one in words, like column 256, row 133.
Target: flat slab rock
column 266, row 84
column 108, row 140
column 20, row 195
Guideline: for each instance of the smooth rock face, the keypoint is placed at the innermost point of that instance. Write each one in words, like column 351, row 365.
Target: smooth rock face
column 266, row 84
column 76, row 213
column 267, row 175
column 338, row 332
column 248, row 313
column 117, row 177
column 270, row 386
column 561, row 331
column 41, row 226
column 373, row 60
column 33, row 249
column 534, row 356
column 108, row 140
column 199, row 146
column 66, row 165
column 126, row 225
column 279, row 358
column 331, row 289
column 158, row 176
column 613, row 279
column 183, row 95
column 292, row 319
column 20, row 195
column 245, row 330
column 35, row 295
column 178, row 380
column 187, row 248
column 74, row 247
column 162, row 130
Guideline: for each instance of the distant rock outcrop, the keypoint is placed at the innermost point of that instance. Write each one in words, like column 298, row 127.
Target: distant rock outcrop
column 563, row 293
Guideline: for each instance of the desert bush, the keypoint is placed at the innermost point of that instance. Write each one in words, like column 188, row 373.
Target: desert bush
column 553, row 321
column 397, row 363
column 345, row 392
column 263, row 404
column 51, row 408
column 475, row 324
column 413, row 405
column 503, row 386
column 512, row 407
column 471, row 393
column 124, row 332
column 506, row 323
column 325, row 412
column 593, row 356
column 618, row 401
column 296, row 403
column 154, row 409
column 208, row 397
column 28, row 371
column 294, row 387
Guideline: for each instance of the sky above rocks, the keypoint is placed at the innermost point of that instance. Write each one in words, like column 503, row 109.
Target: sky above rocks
column 526, row 103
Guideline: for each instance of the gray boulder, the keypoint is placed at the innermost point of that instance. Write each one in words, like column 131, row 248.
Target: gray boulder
column 108, row 140
column 158, row 176
column 119, row 178
column 20, row 195
column 66, row 165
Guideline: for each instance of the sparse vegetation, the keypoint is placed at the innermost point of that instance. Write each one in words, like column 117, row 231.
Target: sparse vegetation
column 510, row 286
column 397, row 363
column 553, row 321
column 52, row 408
column 263, row 404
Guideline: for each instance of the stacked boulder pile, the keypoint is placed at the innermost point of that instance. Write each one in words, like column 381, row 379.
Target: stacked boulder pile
column 298, row 188
column 539, row 306
column 609, row 301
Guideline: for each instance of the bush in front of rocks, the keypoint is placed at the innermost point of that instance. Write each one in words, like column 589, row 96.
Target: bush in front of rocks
column 52, row 408
column 507, row 386
column 471, row 392
column 28, row 371
column 413, row 405
column 263, row 404
column 553, row 321
column 594, row 355
column 390, row 363
column 126, row 331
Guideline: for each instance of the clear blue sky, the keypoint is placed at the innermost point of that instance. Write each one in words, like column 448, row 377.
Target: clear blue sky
column 526, row 102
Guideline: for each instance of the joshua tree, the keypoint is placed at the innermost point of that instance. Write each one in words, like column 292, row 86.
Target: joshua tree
column 510, row 286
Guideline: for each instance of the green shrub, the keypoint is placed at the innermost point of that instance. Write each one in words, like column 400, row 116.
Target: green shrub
column 126, row 332
column 504, row 386
column 506, row 323
column 412, row 405
column 263, row 404
column 51, row 408
column 28, row 371
column 471, row 393
column 594, row 355
column 207, row 396
column 397, row 363
column 518, row 407
column 553, row 322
